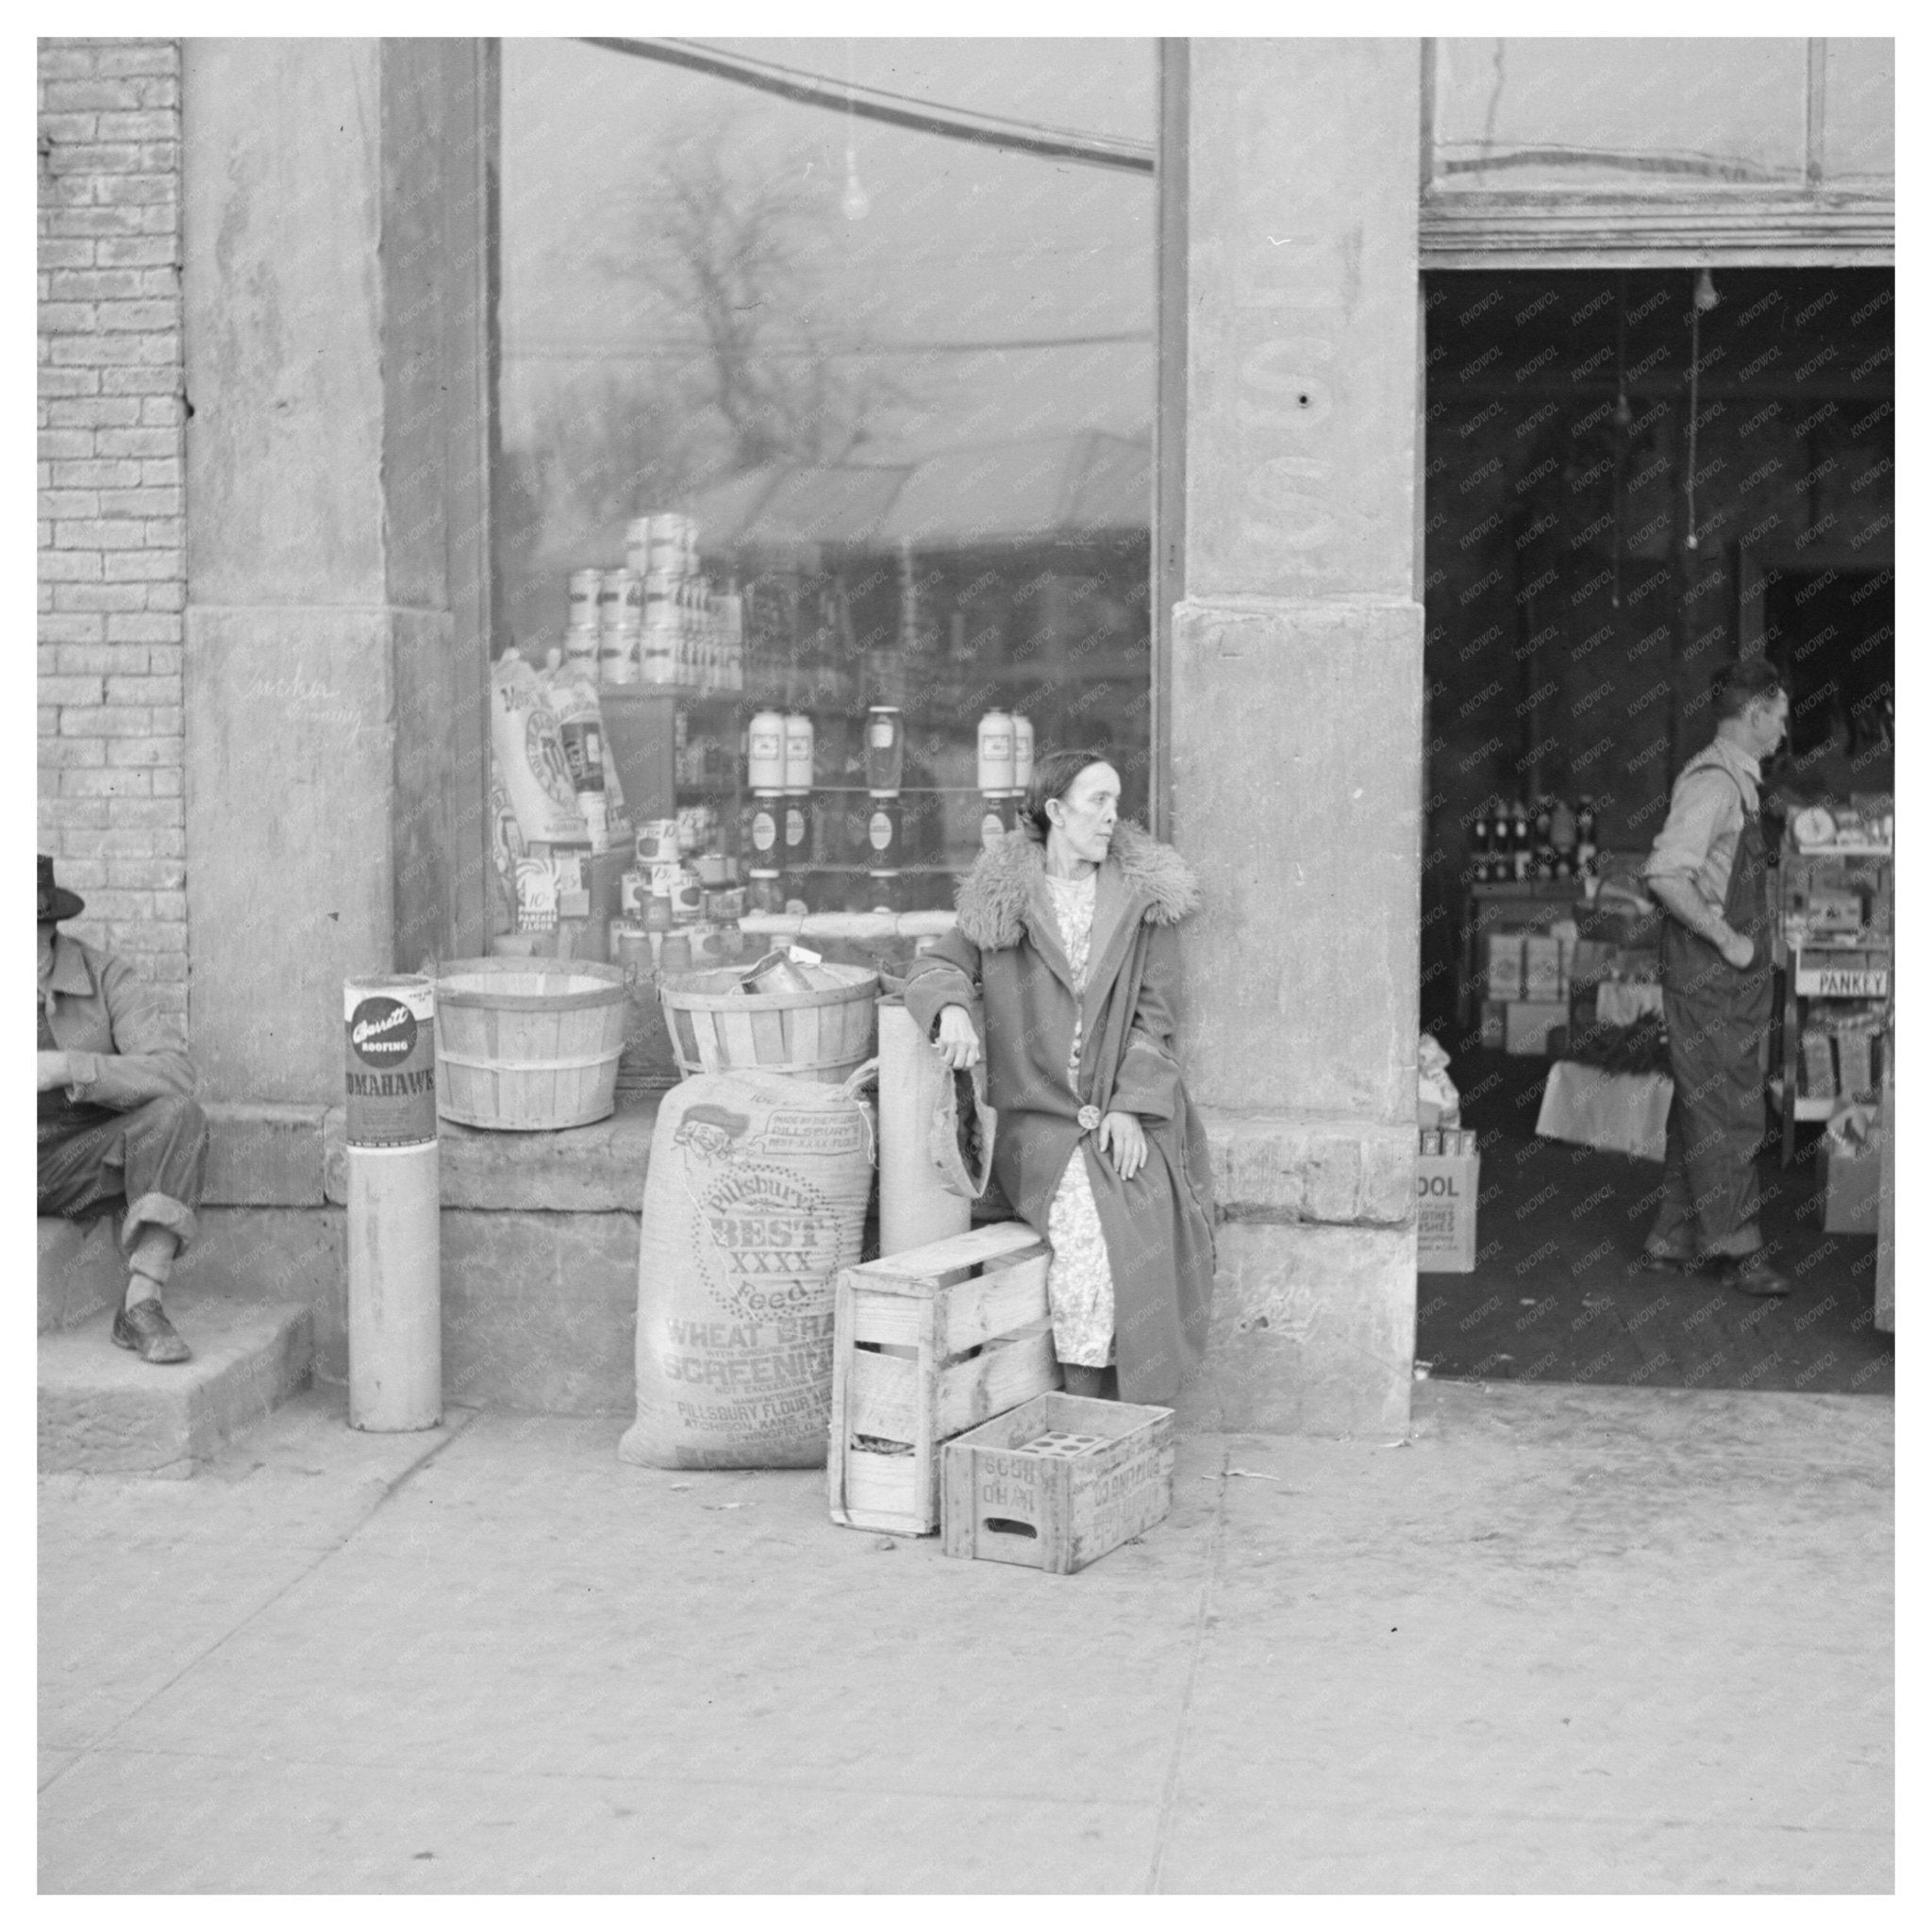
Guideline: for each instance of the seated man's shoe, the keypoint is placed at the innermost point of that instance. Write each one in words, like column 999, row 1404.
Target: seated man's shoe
column 1749, row 1274
column 145, row 1329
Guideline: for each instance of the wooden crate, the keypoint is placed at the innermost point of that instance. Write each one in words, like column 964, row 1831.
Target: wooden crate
column 926, row 1343
column 1058, row 1482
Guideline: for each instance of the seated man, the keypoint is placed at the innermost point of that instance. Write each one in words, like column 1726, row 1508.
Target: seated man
column 116, row 1119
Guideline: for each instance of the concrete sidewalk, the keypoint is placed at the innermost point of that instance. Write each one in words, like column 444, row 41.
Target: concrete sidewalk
column 1563, row 1639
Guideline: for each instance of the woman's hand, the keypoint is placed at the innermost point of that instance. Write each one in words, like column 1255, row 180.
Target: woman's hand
column 1123, row 1132
column 959, row 1044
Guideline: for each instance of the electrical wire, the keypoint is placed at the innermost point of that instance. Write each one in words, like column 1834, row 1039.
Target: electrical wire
column 896, row 110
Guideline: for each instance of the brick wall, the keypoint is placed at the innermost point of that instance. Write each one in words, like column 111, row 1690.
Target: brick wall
column 112, row 546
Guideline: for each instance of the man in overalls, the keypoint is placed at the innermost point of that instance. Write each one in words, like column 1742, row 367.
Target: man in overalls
column 1706, row 870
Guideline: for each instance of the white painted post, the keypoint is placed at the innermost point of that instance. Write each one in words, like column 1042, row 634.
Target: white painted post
column 395, row 1237
column 914, row 1208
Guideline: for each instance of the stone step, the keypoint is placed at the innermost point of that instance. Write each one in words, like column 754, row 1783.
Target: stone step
column 81, row 1270
column 105, row 1410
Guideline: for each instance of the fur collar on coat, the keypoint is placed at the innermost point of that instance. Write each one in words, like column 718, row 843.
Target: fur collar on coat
column 994, row 899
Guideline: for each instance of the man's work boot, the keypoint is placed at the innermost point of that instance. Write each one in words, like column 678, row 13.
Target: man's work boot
column 1661, row 1261
column 145, row 1329
column 1749, row 1274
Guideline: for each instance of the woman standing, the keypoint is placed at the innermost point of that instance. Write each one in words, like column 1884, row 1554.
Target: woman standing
column 1067, row 936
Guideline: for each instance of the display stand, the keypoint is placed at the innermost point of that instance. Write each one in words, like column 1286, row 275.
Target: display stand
column 1833, row 948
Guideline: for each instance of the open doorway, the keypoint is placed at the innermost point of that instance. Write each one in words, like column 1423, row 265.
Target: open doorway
column 1603, row 533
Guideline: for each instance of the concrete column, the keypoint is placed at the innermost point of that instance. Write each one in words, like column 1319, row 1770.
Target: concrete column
column 334, row 239
column 1297, row 707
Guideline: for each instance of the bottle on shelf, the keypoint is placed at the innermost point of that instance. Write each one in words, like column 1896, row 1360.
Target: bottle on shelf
column 996, row 752
column 1563, row 837
column 1022, row 753
column 884, row 749
column 766, row 846
column 1585, row 838
column 799, row 749
column 1519, row 841
column 795, row 843
column 764, row 753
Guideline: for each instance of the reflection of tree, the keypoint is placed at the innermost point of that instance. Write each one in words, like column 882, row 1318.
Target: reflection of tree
column 603, row 447
column 728, row 249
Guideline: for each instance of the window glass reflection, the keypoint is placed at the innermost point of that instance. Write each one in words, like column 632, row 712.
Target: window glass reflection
column 867, row 408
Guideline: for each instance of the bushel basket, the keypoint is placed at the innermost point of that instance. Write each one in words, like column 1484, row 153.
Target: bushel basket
column 527, row 1044
column 717, row 1027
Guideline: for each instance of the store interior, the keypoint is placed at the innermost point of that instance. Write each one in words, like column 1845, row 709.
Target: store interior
column 1631, row 479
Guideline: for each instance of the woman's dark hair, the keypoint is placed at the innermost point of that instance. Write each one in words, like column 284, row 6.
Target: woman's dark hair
column 1742, row 684
column 1053, row 777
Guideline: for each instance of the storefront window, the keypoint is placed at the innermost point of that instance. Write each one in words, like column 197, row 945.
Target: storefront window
column 1637, row 113
column 865, row 406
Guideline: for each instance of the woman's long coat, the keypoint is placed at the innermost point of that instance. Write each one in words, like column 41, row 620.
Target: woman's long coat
column 1005, row 963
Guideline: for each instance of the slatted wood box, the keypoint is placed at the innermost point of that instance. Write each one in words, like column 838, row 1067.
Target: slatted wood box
column 1058, row 1482
column 927, row 1344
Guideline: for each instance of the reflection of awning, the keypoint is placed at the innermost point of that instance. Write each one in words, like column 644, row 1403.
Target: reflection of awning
column 1061, row 486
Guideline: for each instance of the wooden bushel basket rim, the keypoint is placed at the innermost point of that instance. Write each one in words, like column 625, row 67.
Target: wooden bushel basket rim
column 493, row 1089
column 717, row 1014
column 607, row 992
column 716, row 990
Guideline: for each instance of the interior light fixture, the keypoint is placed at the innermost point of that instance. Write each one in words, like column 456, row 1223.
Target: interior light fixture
column 856, row 201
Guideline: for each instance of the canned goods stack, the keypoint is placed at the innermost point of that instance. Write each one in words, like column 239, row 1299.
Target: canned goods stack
column 680, row 888
column 620, row 627
column 693, row 636
column 580, row 640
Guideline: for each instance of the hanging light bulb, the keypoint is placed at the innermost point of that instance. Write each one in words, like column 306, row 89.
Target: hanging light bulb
column 1699, row 306
column 856, row 201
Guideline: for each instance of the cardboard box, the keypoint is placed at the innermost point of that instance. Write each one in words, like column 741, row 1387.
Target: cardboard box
column 1493, row 1016
column 1446, row 1188
column 1818, row 1081
column 1848, row 1188
column 1058, row 1482
column 1620, row 1113
column 1527, row 1025
column 1503, row 971
column 1590, row 960
column 1542, row 968
column 1854, row 1074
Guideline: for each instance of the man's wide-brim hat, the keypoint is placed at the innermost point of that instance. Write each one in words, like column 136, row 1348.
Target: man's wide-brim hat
column 56, row 902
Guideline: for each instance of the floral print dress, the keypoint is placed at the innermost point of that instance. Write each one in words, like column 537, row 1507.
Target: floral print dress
column 1079, row 1282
